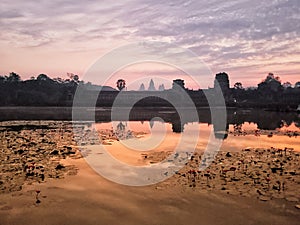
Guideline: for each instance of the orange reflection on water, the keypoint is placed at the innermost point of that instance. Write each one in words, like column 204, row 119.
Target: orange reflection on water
column 132, row 155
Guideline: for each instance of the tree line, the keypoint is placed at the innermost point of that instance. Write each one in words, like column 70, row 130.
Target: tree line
column 45, row 91
column 269, row 92
column 39, row 91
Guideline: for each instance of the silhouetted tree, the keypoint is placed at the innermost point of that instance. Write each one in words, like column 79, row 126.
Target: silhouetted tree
column 238, row 86
column 297, row 84
column 287, row 85
column 42, row 77
column 121, row 84
column 270, row 84
column 73, row 77
column 58, row 80
column 13, row 78
column 2, row 79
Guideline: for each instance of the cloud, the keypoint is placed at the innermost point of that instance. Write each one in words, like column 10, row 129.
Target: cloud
column 225, row 34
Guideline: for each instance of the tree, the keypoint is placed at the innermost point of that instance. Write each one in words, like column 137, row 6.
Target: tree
column 121, row 84
column 287, row 85
column 42, row 77
column 297, row 84
column 13, row 78
column 58, row 80
column 270, row 84
column 2, row 79
column 238, row 86
column 73, row 77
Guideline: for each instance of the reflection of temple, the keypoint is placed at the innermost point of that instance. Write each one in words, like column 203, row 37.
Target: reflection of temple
column 221, row 133
column 267, row 120
column 177, row 126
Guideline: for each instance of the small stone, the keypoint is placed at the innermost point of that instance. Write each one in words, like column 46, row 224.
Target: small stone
column 54, row 152
column 297, row 206
column 6, row 208
column 59, row 167
column 228, row 154
column 261, row 192
column 264, row 198
column 292, row 199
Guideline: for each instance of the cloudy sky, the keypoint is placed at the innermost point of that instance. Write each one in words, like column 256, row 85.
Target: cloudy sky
column 245, row 38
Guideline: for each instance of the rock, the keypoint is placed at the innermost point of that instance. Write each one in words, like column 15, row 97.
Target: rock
column 228, row 154
column 297, row 206
column 264, row 198
column 59, row 167
column 20, row 151
column 54, row 152
column 292, row 199
column 6, row 208
column 261, row 192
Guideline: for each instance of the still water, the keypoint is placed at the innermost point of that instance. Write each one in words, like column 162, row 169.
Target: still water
column 112, row 159
column 162, row 129
column 160, row 136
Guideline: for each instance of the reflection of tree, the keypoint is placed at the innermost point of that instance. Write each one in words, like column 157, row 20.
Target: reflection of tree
column 270, row 123
column 265, row 120
column 297, row 121
column 121, row 131
column 287, row 123
column 121, row 127
column 237, row 128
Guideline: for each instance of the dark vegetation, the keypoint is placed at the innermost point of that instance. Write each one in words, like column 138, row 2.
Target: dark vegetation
column 44, row 91
column 41, row 91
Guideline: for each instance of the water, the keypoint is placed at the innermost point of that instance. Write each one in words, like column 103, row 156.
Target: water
column 126, row 139
column 164, row 130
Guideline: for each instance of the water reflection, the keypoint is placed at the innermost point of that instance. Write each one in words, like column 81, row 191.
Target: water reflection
column 265, row 120
column 177, row 126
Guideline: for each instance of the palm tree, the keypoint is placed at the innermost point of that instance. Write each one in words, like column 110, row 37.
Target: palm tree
column 121, row 84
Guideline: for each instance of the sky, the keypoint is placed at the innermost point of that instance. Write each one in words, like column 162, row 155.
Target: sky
column 245, row 38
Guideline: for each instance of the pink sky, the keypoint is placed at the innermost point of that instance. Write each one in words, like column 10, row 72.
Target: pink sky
column 246, row 39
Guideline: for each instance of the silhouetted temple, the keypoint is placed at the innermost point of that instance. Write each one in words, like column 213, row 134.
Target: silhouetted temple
column 44, row 91
column 178, row 83
column 260, row 98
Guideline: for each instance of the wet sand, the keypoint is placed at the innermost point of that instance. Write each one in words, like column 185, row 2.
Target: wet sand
column 83, row 197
